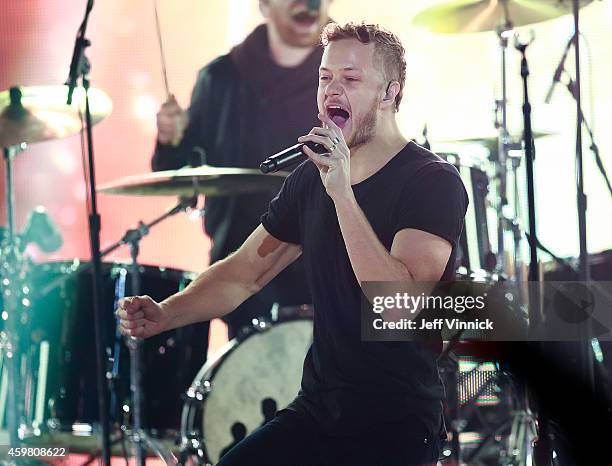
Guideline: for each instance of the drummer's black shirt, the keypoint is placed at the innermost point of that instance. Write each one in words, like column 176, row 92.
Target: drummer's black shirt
column 349, row 385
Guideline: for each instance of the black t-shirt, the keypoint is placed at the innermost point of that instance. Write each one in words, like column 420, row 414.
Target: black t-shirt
column 349, row 384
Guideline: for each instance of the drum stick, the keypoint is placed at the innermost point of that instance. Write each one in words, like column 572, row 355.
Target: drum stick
column 161, row 50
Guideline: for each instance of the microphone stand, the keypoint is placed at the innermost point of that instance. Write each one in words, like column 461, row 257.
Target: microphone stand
column 542, row 447
column 139, row 437
column 79, row 69
column 584, row 269
column 529, row 158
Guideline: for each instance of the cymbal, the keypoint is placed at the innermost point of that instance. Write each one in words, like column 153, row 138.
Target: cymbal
column 491, row 140
column 40, row 113
column 462, row 16
column 206, row 180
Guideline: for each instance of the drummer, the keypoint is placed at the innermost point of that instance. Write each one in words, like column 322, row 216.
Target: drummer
column 375, row 208
column 245, row 106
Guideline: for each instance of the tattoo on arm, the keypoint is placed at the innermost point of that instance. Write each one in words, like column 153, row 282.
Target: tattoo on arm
column 268, row 246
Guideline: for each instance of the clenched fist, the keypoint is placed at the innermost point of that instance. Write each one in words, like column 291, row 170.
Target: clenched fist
column 141, row 317
column 171, row 122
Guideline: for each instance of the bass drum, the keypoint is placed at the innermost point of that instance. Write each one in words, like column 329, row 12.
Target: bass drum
column 61, row 399
column 244, row 384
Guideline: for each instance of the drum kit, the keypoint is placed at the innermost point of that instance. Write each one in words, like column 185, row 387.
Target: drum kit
column 47, row 337
column 47, row 383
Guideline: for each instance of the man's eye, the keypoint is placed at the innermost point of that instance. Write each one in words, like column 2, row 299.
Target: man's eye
column 323, row 78
column 351, row 79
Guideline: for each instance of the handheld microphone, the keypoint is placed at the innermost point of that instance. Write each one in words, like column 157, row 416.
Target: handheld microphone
column 290, row 156
column 558, row 71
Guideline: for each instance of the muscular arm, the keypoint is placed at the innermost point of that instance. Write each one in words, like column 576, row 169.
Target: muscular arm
column 227, row 283
column 415, row 255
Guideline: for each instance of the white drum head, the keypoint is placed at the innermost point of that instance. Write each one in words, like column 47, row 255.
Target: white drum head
column 265, row 366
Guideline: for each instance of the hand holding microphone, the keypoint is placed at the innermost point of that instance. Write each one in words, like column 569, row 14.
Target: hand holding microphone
column 334, row 166
column 291, row 156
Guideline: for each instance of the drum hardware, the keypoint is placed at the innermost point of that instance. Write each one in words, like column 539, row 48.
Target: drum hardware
column 581, row 199
column 542, row 448
column 139, row 437
column 260, row 324
column 80, row 66
column 270, row 357
column 483, row 397
column 192, row 448
column 466, row 16
column 515, row 142
column 41, row 230
column 501, row 124
column 503, row 16
column 190, row 445
column 60, row 315
column 29, row 115
column 206, row 180
column 493, row 16
column 16, row 307
column 39, row 113
column 461, row 16
column 284, row 313
column 529, row 158
column 571, row 87
column 60, row 391
column 198, row 391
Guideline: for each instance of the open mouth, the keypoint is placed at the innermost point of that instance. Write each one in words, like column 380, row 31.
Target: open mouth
column 305, row 17
column 338, row 115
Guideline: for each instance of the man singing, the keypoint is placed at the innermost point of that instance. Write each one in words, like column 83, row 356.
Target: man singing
column 375, row 208
column 246, row 105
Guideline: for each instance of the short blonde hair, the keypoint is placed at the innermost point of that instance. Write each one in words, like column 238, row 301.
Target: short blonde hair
column 387, row 47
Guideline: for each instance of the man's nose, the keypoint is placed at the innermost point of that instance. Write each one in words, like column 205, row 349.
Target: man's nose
column 334, row 88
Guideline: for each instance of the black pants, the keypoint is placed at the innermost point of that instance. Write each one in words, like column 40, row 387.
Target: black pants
column 291, row 440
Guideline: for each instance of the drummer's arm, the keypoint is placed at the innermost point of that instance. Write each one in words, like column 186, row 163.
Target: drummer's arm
column 229, row 282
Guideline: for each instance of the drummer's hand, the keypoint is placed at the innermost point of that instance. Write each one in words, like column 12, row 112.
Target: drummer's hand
column 141, row 317
column 171, row 122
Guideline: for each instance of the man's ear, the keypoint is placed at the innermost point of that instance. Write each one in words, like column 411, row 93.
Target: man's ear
column 391, row 92
column 264, row 7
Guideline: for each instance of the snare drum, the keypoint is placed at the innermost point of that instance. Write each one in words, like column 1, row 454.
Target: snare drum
column 61, row 383
column 245, row 383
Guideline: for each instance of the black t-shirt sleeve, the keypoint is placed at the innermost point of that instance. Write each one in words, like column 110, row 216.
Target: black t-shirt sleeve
column 435, row 203
column 282, row 219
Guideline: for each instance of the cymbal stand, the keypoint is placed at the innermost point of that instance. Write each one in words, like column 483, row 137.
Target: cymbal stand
column 513, row 224
column 139, row 437
column 501, row 124
column 523, row 430
column 15, row 312
column 505, row 222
